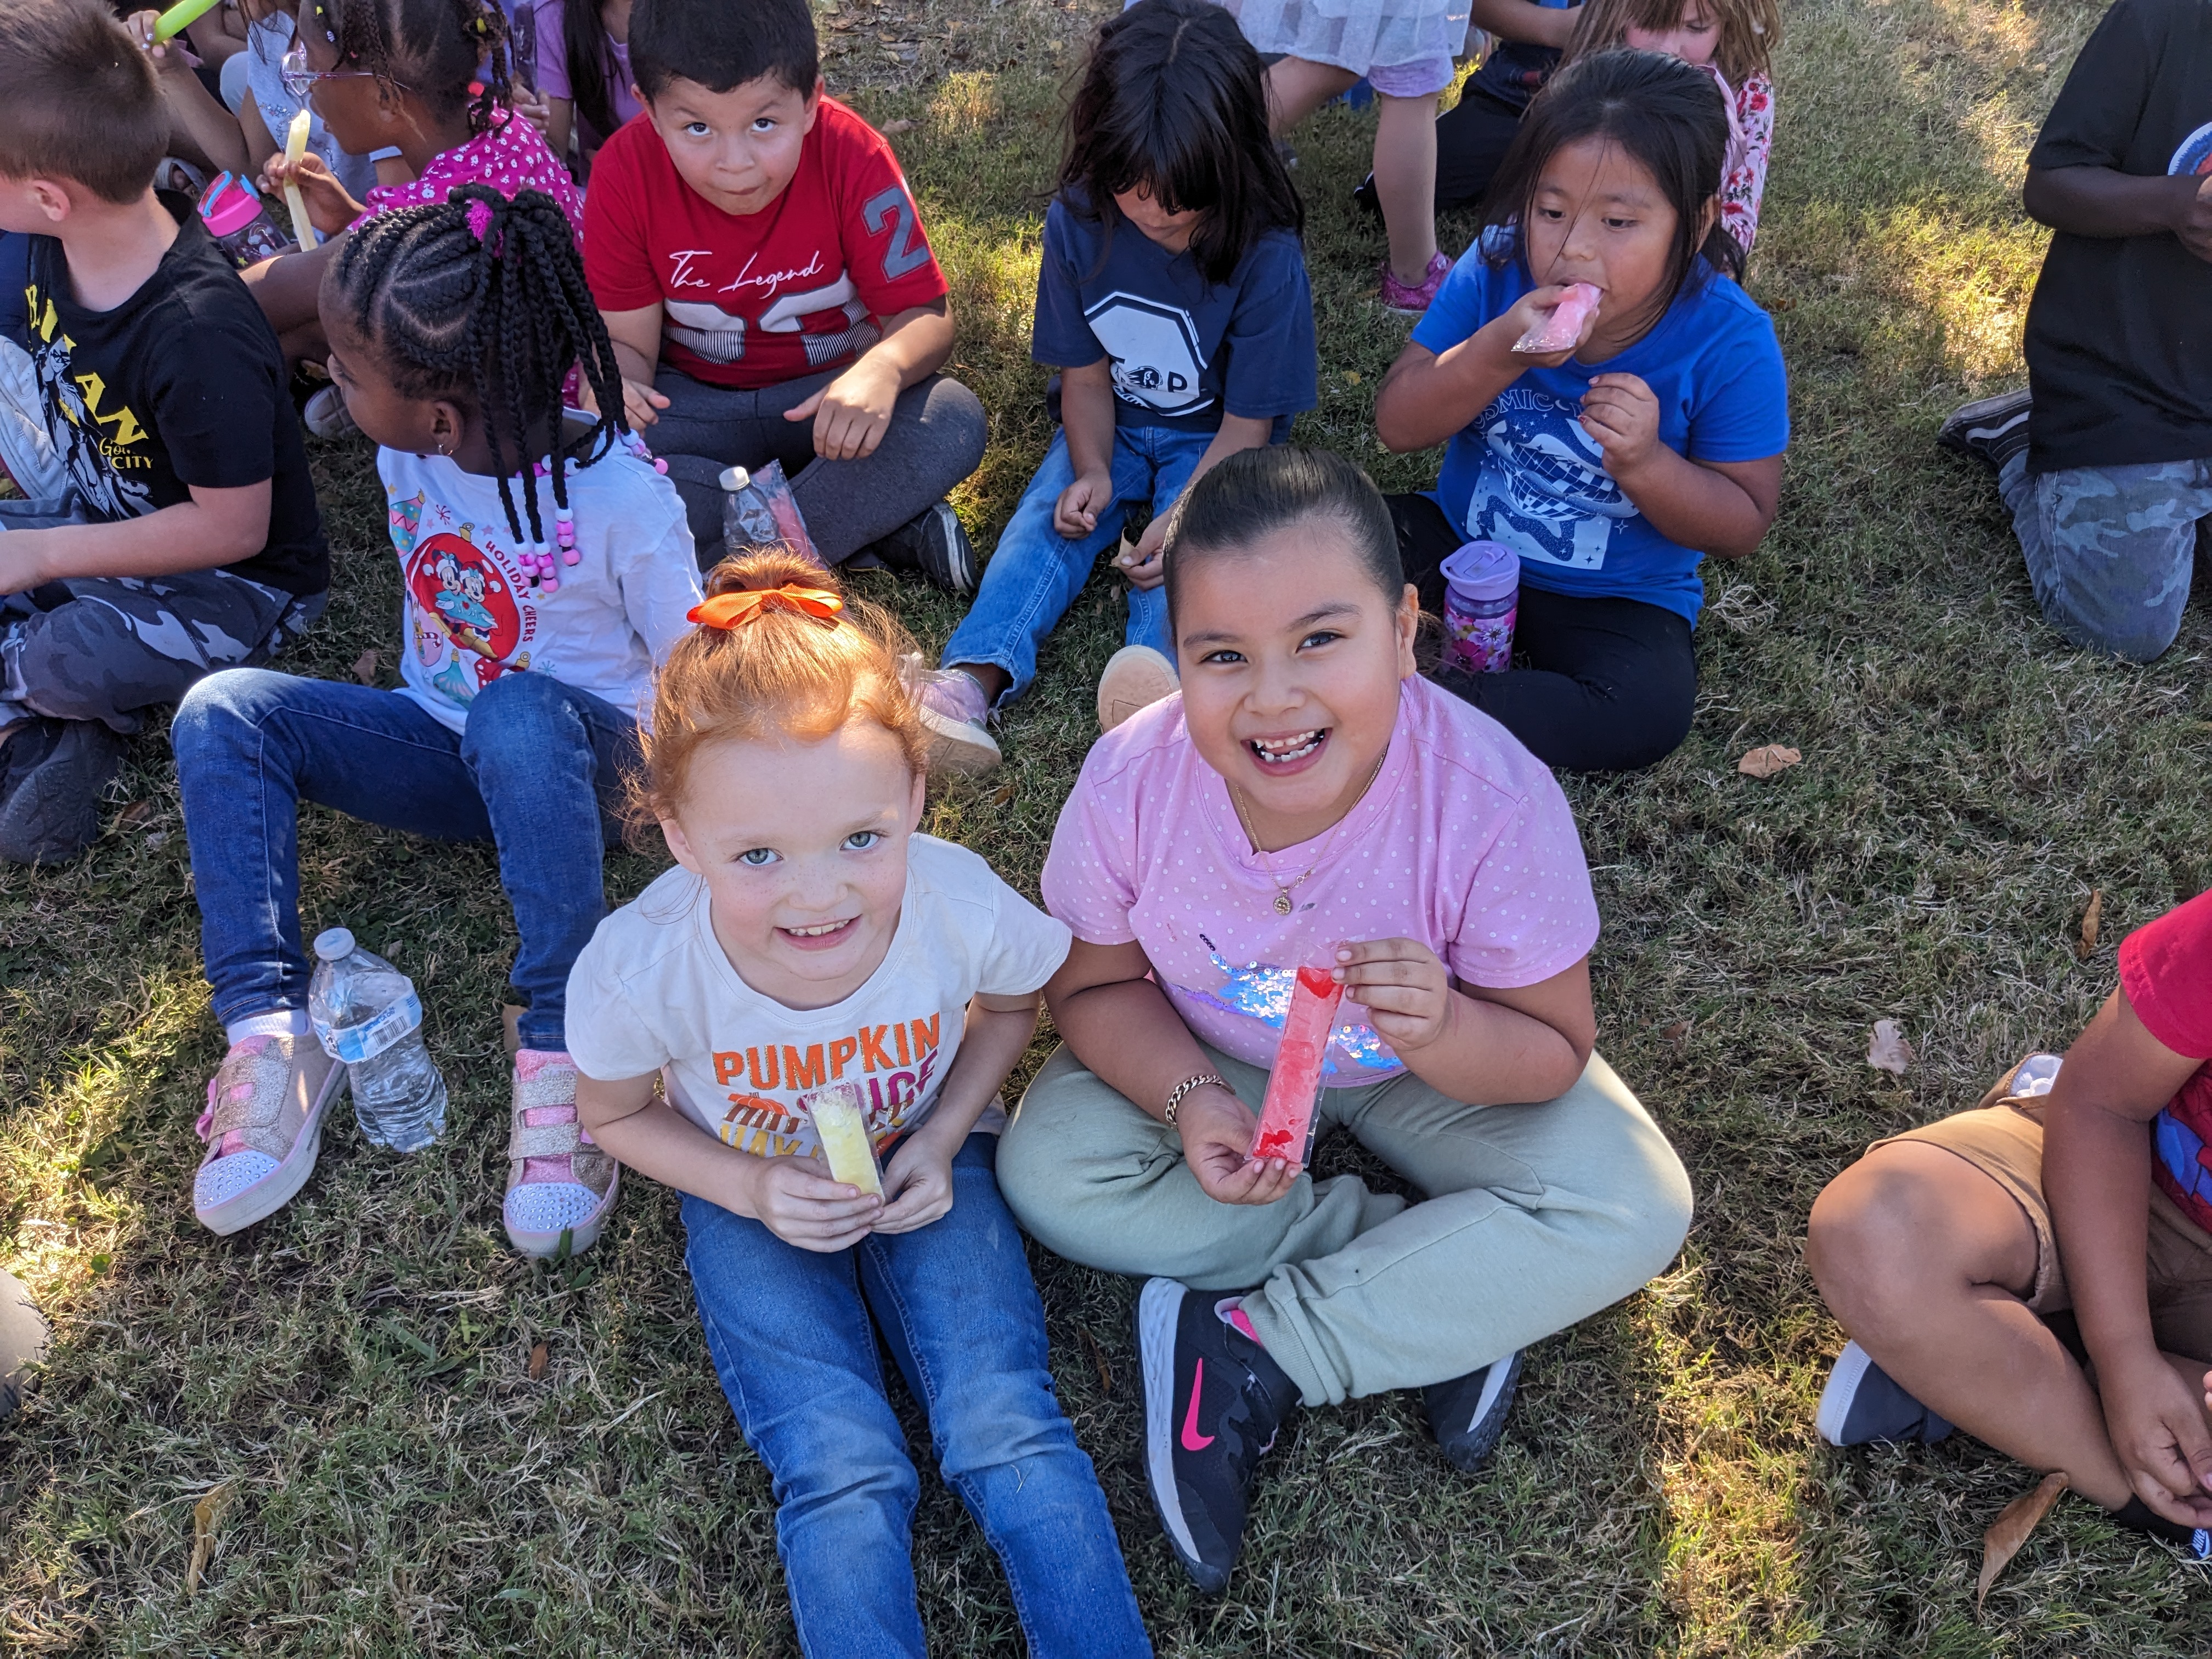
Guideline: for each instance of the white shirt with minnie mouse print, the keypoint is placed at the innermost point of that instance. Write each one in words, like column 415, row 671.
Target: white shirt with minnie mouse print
column 470, row 610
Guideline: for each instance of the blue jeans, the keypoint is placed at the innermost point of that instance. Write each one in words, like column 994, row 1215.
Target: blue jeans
column 539, row 772
column 1035, row 573
column 791, row 1339
column 2111, row 549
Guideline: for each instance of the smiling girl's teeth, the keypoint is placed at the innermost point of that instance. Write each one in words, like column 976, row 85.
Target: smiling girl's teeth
column 1278, row 751
column 818, row 931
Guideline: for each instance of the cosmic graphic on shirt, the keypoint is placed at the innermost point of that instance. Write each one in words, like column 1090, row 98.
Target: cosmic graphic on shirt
column 1543, row 489
column 1356, row 1053
column 2194, row 157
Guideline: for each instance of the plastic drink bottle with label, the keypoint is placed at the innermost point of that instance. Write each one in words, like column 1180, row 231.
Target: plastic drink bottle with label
column 237, row 216
column 1482, row 598
column 366, row 1013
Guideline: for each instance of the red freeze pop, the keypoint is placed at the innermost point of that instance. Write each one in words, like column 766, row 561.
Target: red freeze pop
column 1564, row 326
column 1286, row 1114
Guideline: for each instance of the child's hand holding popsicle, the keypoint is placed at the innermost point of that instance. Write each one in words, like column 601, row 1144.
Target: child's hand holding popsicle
column 330, row 209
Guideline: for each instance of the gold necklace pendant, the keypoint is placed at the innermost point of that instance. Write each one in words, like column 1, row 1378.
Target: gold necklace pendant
column 1282, row 904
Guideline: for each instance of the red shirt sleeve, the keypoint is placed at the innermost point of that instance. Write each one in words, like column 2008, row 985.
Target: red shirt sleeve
column 2166, row 969
column 618, row 263
column 886, row 251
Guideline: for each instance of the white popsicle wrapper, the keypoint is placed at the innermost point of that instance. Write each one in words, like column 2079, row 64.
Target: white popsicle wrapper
column 295, row 145
column 1564, row 327
column 842, row 1126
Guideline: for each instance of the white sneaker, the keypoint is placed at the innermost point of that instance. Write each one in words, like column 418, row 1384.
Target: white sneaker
column 263, row 1127
column 1136, row 678
column 327, row 416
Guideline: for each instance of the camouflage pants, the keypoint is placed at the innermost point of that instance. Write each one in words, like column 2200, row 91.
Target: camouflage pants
column 2110, row 549
column 102, row 648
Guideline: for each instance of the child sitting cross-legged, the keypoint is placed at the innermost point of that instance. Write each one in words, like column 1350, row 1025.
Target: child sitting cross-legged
column 1307, row 806
column 544, row 571
column 185, row 537
column 771, row 294
column 2038, row 1271
column 1173, row 289
column 811, row 944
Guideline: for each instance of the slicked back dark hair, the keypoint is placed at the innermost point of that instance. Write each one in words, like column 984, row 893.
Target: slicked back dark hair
column 1174, row 98
column 1251, row 495
column 78, row 101
column 1664, row 113
column 451, row 54
column 481, row 302
column 722, row 44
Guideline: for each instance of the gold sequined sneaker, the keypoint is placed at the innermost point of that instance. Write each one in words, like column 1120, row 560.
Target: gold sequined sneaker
column 263, row 1127
column 559, row 1183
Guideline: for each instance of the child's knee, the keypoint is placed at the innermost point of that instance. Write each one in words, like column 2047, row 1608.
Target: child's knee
column 221, row 709
column 516, row 713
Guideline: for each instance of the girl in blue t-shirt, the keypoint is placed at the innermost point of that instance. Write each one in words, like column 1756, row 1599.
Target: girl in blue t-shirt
column 1172, row 295
column 1613, row 466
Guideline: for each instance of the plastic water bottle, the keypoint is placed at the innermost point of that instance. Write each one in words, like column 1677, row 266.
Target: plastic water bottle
column 366, row 1013
column 1482, row 598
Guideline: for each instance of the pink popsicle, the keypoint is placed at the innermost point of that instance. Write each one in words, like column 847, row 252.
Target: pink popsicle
column 1286, row 1113
column 1564, row 325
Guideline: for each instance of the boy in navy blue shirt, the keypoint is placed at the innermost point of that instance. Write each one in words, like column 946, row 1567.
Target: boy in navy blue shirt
column 1178, row 312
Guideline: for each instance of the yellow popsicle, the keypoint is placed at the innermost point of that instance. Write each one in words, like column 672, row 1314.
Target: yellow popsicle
column 842, row 1127
column 295, row 145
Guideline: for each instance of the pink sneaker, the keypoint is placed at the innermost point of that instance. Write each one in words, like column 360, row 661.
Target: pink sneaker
column 558, row 1180
column 1415, row 301
column 955, row 710
column 263, row 1127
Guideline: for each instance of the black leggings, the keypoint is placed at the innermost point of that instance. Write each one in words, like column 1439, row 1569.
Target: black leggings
column 1610, row 684
column 1472, row 137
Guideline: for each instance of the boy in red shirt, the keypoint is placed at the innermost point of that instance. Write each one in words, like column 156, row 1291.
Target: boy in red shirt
column 2038, row 1271
column 771, row 296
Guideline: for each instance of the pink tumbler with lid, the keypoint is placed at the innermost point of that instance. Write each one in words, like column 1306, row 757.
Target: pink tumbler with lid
column 1482, row 595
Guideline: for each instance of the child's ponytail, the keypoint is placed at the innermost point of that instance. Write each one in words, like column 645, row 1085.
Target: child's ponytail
column 781, row 653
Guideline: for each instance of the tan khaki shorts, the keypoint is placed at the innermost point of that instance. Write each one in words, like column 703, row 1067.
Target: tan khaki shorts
column 2005, row 1142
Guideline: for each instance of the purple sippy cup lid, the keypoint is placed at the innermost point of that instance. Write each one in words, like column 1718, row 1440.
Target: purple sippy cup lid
column 1483, row 570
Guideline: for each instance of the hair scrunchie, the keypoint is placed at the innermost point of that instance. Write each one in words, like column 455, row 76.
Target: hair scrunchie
column 733, row 610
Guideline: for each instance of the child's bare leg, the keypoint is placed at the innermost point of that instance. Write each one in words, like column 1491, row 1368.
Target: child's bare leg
column 1406, row 183
column 1297, row 87
column 1928, row 1262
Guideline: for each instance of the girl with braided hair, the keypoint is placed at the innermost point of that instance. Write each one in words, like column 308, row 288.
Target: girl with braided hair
column 546, row 567
column 428, row 77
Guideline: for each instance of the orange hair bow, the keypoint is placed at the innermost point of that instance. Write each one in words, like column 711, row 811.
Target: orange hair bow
column 729, row 610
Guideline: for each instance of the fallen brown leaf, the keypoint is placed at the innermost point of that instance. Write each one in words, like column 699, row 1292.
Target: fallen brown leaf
column 1889, row 1051
column 1677, row 1032
column 537, row 1357
column 131, row 814
column 1003, row 794
column 2011, row 1529
column 364, row 667
column 2092, row 918
column 206, row 1514
column 1768, row 759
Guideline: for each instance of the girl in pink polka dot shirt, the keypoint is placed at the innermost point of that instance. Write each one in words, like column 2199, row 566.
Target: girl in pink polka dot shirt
column 1308, row 800
column 426, row 76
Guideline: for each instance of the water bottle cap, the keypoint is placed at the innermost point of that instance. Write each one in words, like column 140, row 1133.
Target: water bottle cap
column 736, row 478
column 334, row 943
column 230, row 203
column 1483, row 570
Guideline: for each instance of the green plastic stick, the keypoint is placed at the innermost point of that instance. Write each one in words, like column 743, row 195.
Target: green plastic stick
column 181, row 17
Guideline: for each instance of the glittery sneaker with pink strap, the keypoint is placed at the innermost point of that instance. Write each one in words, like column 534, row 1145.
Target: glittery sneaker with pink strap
column 263, row 1127
column 558, row 1180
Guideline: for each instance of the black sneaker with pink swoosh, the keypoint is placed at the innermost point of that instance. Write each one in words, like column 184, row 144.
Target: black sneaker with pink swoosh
column 1213, row 1404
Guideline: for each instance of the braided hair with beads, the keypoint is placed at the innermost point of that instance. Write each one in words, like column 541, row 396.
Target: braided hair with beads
column 451, row 54
column 481, row 301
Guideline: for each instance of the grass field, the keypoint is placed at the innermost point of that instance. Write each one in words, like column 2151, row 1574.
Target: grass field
column 357, row 1371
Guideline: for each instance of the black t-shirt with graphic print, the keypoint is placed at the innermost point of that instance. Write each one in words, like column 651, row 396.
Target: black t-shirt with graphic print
column 2120, row 333
column 182, row 384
